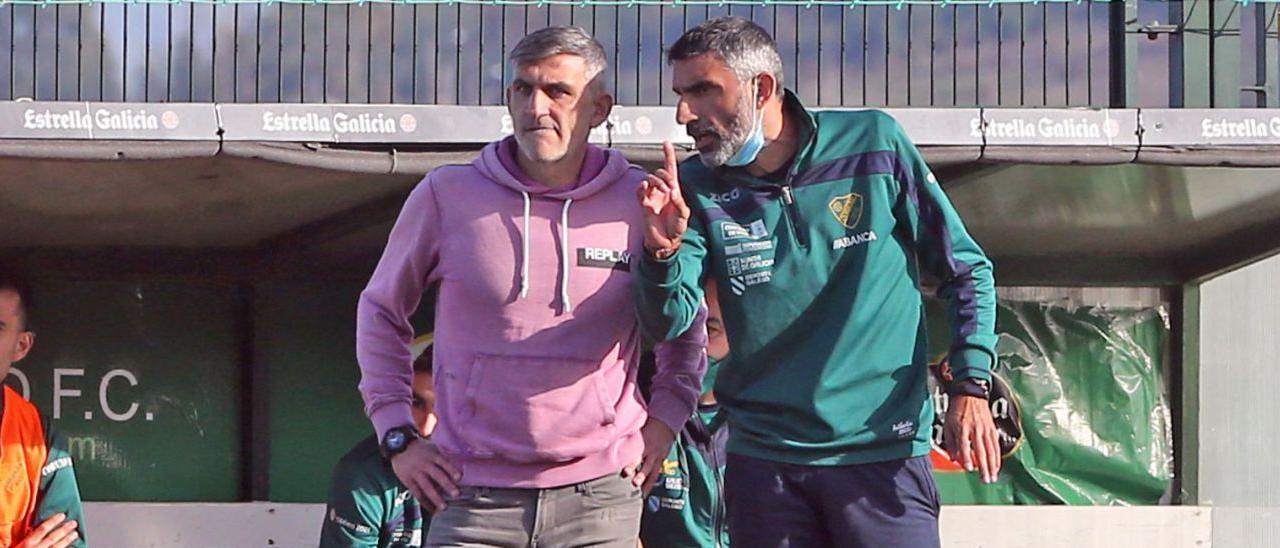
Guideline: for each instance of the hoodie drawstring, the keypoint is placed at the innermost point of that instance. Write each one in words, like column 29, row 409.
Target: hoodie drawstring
column 564, row 253
column 524, row 252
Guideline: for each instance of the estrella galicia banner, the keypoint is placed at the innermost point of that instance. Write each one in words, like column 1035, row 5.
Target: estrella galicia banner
column 1080, row 402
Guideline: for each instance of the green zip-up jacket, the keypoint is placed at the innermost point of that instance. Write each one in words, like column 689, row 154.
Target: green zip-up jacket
column 818, row 276
column 368, row 506
column 686, row 508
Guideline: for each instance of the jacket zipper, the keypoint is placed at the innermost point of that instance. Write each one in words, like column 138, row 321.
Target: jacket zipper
column 790, row 210
column 702, row 439
column 719, row 518
column 792, row 214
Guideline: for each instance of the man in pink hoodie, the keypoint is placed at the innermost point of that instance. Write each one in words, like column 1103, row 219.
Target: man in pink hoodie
column 543, row 437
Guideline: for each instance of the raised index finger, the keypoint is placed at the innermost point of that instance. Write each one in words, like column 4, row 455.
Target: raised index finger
column 669, row 154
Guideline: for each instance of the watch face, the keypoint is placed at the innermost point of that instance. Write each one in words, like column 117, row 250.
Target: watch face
column 395, row 440
column 1005, row 410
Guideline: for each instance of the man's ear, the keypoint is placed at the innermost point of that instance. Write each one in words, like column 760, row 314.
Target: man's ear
column 602, row 105
column 26, row 340
column 766, row 88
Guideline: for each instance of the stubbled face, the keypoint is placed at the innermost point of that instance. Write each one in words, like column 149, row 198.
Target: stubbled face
column 15, row 340
column 715, row 106
column 424, row 403
column 553, row 105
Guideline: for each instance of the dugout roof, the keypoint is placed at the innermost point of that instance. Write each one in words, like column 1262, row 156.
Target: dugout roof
column 1057, row 196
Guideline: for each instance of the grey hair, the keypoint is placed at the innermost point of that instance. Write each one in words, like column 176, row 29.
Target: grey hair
column 550, row 41
column 744, row 46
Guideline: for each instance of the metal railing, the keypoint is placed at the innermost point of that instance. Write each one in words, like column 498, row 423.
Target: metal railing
column 898, row 53
column 882, row 54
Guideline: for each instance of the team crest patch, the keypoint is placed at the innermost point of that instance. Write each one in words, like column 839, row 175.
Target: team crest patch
column 847, row 209
column 670, row 466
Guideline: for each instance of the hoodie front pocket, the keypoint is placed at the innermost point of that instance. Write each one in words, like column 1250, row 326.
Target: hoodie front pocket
column 536, row 409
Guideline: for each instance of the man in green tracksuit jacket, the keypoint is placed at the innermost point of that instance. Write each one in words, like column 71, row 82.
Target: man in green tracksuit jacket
column 816, row 226
column 368, row 505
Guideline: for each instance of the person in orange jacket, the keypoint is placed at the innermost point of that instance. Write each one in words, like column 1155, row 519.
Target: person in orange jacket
column 40, row 500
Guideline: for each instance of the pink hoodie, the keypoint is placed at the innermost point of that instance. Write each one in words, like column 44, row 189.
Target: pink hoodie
column 536, row 341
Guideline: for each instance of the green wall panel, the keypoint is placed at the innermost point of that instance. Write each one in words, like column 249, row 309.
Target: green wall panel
column 306, row 338
column 143, row 379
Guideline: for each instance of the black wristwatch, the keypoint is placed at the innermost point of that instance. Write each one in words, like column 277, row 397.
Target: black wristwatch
column 396, row 440
column 977, row 388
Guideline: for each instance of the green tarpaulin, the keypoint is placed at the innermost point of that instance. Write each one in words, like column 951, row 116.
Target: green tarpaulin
column 1088, row 394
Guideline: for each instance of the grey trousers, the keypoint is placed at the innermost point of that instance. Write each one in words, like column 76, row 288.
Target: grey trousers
column 602, row 512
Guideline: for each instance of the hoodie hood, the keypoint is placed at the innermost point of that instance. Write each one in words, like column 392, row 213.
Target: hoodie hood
column 600, row 168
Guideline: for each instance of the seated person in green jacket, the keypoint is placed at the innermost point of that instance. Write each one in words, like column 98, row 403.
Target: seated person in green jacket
column 686, row 506
column 368, row 506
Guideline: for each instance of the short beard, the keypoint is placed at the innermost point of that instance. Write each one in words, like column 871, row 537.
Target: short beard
column 728, row 145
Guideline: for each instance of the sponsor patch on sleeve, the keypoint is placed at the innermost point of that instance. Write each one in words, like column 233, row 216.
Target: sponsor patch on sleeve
column 349, row 524
column 56, row 465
